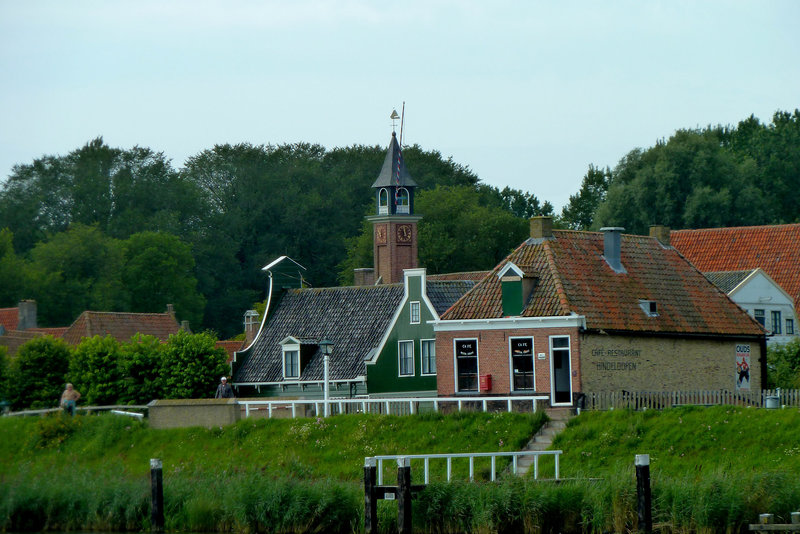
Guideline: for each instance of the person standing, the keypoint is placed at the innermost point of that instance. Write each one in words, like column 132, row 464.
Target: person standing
column 224, row 391
column 69, row 398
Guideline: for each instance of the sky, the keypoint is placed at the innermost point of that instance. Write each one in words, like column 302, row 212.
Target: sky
column 526, row 94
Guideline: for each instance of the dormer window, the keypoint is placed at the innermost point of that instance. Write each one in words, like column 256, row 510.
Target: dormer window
column 291, row 363
column 383, row 202
column 649, row 307
column 402, row 200
column 296, row 354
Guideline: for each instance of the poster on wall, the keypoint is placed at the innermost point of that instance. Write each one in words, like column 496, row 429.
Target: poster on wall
column 742, row 366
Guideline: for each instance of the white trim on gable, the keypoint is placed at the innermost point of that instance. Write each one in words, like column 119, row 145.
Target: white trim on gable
column 750, row 277
column 510, row 267
column 505, row 323
column 407, row 273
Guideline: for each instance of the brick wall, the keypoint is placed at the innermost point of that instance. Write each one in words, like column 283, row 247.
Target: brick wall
column 614, row 363
column 493, row 357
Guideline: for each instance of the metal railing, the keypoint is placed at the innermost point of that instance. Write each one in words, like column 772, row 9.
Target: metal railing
column 390, row 406
column 471, row 456
column 659, row 400
column 90, row 409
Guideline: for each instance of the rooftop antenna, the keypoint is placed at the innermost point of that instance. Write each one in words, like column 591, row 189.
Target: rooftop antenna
column 402, row 117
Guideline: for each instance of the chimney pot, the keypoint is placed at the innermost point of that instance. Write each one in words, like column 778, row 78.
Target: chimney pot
column 26, row 315
column 541, row 227
column 170, row 308
column 364, row 276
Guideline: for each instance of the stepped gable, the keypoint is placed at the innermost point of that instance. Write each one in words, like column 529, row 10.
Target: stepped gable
column 775, row 249
column 572, row 277
column 121, row 326
column 354, row 319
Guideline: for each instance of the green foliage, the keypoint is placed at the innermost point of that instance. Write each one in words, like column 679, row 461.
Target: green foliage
column 579, row 212
column 191, row 366
column 159, row 270
column 74, row 271
column 783, row 365
column 13, row 271
column 95, row 370
column 140, row 362
column 711, row 177
column 5, row 372
column 38, row 373
column 53, row 430
column 458, row 233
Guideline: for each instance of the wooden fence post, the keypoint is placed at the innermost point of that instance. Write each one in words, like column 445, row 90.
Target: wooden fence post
column 404, row 496
column 642, row 463
column 370, row 500
column 157, row 499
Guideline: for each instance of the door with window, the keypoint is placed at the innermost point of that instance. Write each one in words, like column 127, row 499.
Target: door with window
column 560, row 371
column 466, row 364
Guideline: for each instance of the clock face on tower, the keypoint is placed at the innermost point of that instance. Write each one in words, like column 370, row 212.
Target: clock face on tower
column 380, row 234
column 404, row 233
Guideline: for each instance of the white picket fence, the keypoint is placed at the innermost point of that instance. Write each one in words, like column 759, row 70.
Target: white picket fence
column 389, row 406
column 659, row 400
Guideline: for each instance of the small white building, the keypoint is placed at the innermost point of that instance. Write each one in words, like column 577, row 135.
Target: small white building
column 761, row 297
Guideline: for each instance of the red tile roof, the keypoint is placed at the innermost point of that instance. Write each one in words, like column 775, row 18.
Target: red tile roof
column 775, row 249
column 14, row 339
column 230, row 347
column 121, row 326
column 573, row 277
column 9, row 318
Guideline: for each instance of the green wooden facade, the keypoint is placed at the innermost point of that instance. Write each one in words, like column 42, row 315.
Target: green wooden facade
column 384, row 377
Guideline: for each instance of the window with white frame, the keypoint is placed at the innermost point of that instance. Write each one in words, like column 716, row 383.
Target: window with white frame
column 522, row 363
column 405, row 356
column 466, row 355
column 383, row 202
column 415, row 313
column 428, row 352
column 402, row 200
column 291, row 363
column 776, row 321
column 790, row 327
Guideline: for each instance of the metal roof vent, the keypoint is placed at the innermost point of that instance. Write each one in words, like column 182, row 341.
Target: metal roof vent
column 612, row 247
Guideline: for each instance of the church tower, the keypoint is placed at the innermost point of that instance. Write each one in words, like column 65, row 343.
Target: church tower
column 394, row 225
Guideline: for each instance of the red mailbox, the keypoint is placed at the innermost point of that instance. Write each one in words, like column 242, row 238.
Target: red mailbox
column 486, row 382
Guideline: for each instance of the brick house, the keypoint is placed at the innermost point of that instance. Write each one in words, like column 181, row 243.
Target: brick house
column 570, row 312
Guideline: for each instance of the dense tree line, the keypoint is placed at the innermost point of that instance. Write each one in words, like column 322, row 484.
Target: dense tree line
column 110, row 229
column 107, row 372
column 698, row 178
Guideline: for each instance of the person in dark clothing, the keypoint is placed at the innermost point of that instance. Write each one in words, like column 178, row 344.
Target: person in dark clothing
column 224, row 391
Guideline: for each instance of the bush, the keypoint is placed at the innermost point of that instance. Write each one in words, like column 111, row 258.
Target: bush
column 783, row 365
column 191, row 366
column 95, row 370
column 39, row 372
column 141, row 361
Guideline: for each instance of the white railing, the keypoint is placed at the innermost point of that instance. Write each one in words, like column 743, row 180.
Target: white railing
column 471, row 456
column 659, row 400
column 393, row 406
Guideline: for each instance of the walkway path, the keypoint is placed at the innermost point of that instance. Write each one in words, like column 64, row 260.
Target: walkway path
column 542, row 440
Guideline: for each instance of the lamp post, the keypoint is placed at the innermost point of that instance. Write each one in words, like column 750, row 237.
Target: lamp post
column 326, row 347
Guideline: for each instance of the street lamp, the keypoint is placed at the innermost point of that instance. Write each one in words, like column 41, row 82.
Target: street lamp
column 326, row 347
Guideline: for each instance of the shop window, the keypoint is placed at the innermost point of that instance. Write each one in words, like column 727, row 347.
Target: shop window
column 522, row 363
column 466, row 353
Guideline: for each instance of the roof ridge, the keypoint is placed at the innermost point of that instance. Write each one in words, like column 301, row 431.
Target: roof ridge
column 733, row 228
column 551, row 263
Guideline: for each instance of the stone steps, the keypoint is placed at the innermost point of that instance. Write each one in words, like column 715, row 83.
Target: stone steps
column 543, row 439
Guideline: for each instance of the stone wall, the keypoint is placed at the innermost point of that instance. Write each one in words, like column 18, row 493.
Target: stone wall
column 207, row 413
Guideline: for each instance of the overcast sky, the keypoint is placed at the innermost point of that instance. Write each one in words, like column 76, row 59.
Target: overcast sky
column 526, row 94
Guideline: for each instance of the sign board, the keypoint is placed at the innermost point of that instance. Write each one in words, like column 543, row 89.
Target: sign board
column 742, row 366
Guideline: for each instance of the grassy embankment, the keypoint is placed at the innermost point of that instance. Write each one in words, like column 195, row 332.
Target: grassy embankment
column 713, row 470
column 64, row 473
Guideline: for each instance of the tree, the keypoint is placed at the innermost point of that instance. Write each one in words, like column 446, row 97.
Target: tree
column 578, row 214
column 13, row 272
column 141, row 363
column 74, row 271
column 38, row 373
column 191, row 365
column 94, row 369
column 5, row 372
column 158, row 269
column 783, row 365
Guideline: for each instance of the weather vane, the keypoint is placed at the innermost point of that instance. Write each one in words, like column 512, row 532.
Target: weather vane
column 394, row 116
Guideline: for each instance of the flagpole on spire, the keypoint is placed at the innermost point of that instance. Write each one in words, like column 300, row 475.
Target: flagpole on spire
column 402, row 118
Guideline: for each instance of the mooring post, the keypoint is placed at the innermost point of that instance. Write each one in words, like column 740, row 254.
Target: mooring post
column 370, row 500
column 404, row 495
column 157, row 499
column 642, row 463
